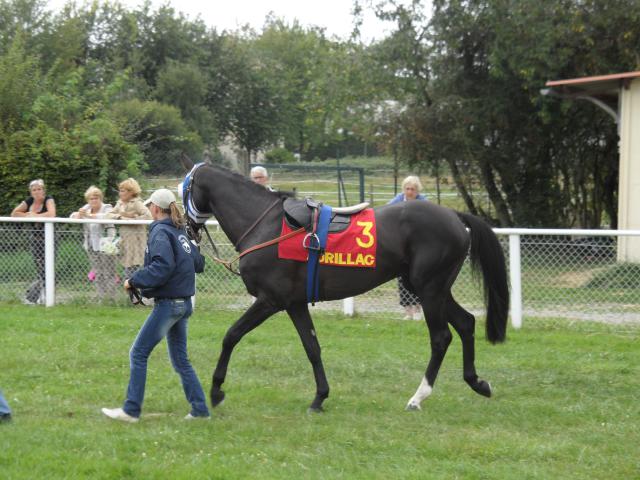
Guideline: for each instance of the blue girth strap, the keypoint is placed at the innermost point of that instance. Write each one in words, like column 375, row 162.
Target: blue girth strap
column 315, row 243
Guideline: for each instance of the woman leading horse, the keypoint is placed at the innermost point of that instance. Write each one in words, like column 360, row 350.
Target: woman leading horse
column 422, row 242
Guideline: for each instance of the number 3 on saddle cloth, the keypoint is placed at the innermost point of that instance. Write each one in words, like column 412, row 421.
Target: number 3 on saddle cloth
column 353, row 247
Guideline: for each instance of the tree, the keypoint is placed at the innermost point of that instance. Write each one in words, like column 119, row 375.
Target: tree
column 255, row 114
column 163, row 35
column 68, row 141
column 184, row 86
column 20, row 83
column 251, row 103
column 158, row 131
column 294, row 59
column 23, row 17
column 542, row 162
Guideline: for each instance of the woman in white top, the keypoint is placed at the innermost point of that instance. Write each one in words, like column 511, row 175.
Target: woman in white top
column 103, row 265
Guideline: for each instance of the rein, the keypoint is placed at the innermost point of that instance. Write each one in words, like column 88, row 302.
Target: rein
column 264, row 214
column 135, row 296
column 228, row 263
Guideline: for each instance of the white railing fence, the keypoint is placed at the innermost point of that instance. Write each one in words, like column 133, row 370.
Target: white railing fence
column 576, row 274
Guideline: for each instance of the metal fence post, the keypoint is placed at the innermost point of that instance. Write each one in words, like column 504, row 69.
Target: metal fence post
column 516, row 280
column 193, row 297
column 49, row 265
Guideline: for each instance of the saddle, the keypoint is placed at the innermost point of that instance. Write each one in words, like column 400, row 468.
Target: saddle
column 300, row 213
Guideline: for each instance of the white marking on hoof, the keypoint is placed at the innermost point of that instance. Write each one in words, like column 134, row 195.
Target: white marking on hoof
column 424, row 390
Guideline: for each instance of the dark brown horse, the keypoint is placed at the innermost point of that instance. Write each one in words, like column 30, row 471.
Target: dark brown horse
column 424, row 243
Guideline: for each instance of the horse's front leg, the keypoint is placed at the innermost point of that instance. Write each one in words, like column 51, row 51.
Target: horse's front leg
column 301, row 318
column 254, row 316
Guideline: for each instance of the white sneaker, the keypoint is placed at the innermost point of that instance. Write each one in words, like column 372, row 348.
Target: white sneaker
column 119, row 414
column 191, row 417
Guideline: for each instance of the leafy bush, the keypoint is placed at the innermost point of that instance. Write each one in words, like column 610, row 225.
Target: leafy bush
column 623, row 275
column 280, row 155
column 64, row 135
column 92, row 152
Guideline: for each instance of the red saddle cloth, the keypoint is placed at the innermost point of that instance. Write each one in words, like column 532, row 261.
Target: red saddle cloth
column 353, row 247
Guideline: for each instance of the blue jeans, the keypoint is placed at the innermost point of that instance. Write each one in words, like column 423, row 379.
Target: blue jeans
column 4, row 406
column 169, row 318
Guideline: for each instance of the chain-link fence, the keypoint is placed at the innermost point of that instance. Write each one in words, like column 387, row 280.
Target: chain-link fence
column 575, row 274
column 552, row 274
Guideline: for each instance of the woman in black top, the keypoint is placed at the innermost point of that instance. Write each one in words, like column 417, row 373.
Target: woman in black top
column 38, row 204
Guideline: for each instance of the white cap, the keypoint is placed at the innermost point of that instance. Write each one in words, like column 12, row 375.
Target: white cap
column 162, row 198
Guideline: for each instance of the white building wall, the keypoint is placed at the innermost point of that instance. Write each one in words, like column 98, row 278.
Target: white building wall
column 629, row 186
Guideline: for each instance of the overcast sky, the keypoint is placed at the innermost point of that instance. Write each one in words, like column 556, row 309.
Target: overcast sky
column 333, row 15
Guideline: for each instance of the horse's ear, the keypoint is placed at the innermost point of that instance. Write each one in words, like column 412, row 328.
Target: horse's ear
column 186, row 161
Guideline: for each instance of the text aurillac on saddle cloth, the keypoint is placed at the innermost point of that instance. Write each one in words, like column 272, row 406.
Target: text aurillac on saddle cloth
column 353, row 247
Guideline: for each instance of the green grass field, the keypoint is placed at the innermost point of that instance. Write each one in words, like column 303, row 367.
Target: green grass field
column 565, row 402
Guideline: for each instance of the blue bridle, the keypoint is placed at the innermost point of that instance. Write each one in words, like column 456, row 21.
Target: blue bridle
column 184, row 190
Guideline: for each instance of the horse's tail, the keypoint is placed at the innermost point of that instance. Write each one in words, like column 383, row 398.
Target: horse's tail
column 486, row 254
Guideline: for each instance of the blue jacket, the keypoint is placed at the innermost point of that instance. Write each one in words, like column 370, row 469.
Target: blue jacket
column 170, row 263
column 400, row 198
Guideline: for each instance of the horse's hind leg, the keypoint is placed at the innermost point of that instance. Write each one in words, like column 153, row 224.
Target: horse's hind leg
column 464, row 323
column 440, row 340
column 301, row 318
column 254, row 316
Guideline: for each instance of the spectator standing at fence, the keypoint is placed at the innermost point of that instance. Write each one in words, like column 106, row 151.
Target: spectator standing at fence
column 260, row 176
column 5, row 411
column 168, row 276
column 133, row 237
column 37, row 204
column 103, row 265
column 411, row 187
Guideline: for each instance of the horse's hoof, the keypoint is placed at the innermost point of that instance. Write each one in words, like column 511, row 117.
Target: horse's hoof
column 315, row 410
column 412, row 407
column 483, row 388
column 217, row 398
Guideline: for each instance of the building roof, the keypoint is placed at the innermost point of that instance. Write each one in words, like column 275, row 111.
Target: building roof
column 594, row 85
column 602, row 90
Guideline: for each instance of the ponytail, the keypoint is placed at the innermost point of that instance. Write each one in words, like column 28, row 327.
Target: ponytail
column 176, row 216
